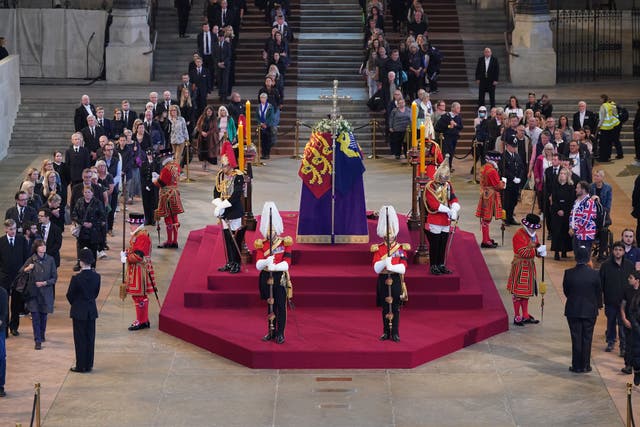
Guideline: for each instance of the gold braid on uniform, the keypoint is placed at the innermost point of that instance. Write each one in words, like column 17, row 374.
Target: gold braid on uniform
column 441, row 193
column 224, row 184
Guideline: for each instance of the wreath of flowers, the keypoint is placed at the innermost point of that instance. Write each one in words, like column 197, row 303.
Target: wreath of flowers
column 325, row 125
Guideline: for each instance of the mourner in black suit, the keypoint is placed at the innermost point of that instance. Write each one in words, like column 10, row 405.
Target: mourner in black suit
column 82, row 293
column 77, row 158
column 91, row 135
column 85, row 109
column 206, row 41
column 51, row 234
column 183, row 7
column 14, row 251
column 21, row 213
column 583, row 290
column 128, row 116
column 200, row 84
column 487, row 76
column 222, row 62
column 105, row 124
column 584, row 117
column 450, row 124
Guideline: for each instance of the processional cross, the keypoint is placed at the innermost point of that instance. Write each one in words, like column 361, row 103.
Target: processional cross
column 334, row 97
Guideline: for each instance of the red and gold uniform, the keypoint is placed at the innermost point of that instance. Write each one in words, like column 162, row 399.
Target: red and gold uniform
column 398, row 255
column 169, row 202
column 522, row 277
column 490, row 203
column 433, row 159
column 279, row 281
column 140, row 279
column 442, row 206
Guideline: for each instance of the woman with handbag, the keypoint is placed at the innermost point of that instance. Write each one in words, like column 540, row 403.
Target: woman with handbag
column 88, row 214
column 39, row 291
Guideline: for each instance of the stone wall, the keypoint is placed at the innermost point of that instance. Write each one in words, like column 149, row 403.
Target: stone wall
column 10, row 99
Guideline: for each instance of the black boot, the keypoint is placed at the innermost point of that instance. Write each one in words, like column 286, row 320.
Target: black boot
column 228, row 244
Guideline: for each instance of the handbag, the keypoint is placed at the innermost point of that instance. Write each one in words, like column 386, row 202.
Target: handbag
column 528, row 195
column 20, row 283
column 77, row 228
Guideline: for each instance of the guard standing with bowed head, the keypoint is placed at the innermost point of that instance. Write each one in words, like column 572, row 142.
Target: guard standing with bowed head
column 140, row 279
column 442, row 207
column 273, row 258
column 390, row 263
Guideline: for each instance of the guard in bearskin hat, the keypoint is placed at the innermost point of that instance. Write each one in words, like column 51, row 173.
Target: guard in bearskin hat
column 140, row 278
column 229, row 207
column 390, row 263
column 169, row 202
column 490, row 204
column 442, row 207
column 273, row 258
column 522, row 278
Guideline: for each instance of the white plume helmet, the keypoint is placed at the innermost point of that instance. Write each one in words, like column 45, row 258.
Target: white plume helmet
column 276, row 220
column 382, row 222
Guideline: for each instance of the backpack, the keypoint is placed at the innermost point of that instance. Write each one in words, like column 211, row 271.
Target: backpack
column 623, row 114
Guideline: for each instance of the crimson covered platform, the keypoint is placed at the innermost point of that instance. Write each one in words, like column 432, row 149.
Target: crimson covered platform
column 335, row 323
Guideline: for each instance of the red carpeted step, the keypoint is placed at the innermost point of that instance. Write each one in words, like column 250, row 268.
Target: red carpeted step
column 335, row 326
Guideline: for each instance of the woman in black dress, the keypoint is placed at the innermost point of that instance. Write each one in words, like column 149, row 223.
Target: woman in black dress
column 89, row 214
column 562, row 197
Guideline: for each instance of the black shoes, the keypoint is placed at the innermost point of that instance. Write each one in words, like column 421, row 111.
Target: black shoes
column 491, row 245
column 627, row 370
column 636, row 377
column 556, row 257
column 167, row 245
column 518, row 322
column 384, row 337
column 435, row 270
column 609, row 348
column 268, row 337
column 395, row 338
column 38, row 345
column 531, row 320
column 443, row 269
column 80, row 371
column 2, row 392
column 231, row 267
column 15, row 332
column 138, row 326
column 280, row 339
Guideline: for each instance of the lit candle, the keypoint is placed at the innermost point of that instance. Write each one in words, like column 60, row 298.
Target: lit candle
column 241, row 147
column 422, row 150
column 247, row 115
column 414, row 122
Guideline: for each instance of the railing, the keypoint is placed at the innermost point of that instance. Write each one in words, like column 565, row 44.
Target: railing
column 588, row 44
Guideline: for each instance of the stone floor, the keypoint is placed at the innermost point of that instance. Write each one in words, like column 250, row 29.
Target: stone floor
column 147, row 378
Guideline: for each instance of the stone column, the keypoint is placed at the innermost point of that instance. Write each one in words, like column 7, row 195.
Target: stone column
column 532, row 42
column 128, row 41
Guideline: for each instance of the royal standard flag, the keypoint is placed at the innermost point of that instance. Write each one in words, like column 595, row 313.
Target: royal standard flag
column 348, row 162
column 316, row 168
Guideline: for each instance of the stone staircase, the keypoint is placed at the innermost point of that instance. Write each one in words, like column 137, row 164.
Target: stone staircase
column 173, row 54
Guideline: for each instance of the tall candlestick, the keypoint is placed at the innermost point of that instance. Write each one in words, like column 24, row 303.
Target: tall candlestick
column 414, row 124
column 422, row 150
column 241, row 147
column 247, row 115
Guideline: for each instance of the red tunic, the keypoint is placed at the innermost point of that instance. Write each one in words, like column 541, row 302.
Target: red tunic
column 140, row 277
column 281, row 249
column 397, row 252
column 523, row 267
column 490, row 204
column 436, row 194
column 433, row 159
column 169, row 202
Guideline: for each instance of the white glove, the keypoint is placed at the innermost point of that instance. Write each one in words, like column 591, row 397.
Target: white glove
column 397, row 268
column 147, row 188
column 123, row 257
column 218, row 212
column 444, row 209
column 388, row 263
column 516, row 180
column 154, row 176
column 379, row 266
column 504, row 179
column 264, row 263
column 453, row 215
column 542, row 250
column 281, row 266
